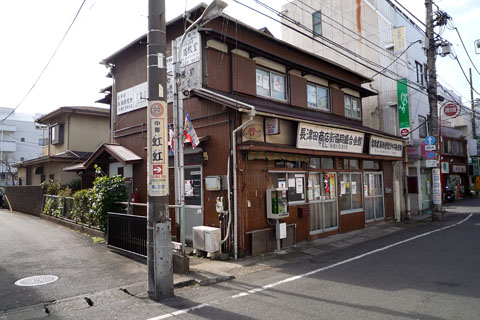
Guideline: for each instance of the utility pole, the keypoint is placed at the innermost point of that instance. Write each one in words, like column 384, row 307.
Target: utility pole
column 159, row 246
column 474, row 128
column 432, row 89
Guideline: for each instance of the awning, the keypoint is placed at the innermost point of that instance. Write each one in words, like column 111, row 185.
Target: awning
column 264, row 155
column 122, row 154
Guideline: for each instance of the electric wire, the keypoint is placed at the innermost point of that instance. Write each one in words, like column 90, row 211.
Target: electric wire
column 47, row 65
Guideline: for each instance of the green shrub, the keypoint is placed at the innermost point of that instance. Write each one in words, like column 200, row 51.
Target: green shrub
column 51, row 206
column 105, row 192
column 51, row 187
column 81, row 206
column 75, row 185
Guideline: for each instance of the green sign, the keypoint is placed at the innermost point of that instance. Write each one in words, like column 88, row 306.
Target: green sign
column 476, row 168
column 403, row 111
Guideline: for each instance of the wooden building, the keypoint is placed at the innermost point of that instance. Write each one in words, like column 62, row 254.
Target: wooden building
column 269, row 116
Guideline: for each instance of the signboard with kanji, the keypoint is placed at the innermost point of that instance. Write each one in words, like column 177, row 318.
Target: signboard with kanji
column 385, row 147
column 157, row 149
column 329, row 139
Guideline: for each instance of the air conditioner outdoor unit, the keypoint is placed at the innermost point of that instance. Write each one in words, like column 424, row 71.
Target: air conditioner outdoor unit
column 206, row 239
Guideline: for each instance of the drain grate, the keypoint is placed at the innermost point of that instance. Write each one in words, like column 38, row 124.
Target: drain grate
column 36, row 281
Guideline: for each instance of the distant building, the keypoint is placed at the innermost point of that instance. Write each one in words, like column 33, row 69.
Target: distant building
column 73, row 134
column 21, row 139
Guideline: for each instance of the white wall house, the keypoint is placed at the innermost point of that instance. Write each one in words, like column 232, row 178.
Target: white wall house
column 361, row 35
column 20, row 139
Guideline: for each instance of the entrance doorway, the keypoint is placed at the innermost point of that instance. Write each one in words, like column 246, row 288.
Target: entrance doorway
column 322, row 196
column 373, row 194
column 193, row 200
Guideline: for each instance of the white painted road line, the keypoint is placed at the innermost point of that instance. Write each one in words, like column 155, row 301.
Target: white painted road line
column 307, row 274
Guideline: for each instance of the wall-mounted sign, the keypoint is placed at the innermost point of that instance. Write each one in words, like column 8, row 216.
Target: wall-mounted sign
column 451, row 109
column 253, row 131
column 272, row 126
column 430, row 163
column 445, row 167
column 437, row 186
column 413, row 152
column 132, row 98
column 385, row 147
column 329, row 139
column 459, row 168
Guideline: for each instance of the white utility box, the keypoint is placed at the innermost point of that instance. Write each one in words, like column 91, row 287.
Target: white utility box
column 206, row 239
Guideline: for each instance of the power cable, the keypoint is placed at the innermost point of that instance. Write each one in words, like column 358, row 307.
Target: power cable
column 48, row 63
column 411, row 44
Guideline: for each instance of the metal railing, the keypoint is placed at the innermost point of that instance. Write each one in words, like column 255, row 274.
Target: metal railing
column 127, row 233
column 57, row 206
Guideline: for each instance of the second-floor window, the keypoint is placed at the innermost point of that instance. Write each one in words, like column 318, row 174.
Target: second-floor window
column 317, row 97
column 422, row 127
column 317, row 23
column 56, row 133
column 353, row 108
column 271, row 84
column 419, row 69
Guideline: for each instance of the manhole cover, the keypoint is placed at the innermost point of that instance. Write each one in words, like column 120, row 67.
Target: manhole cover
column 36, row 281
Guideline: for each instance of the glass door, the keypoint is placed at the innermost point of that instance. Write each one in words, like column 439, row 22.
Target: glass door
column 322, row 196
column 373, row 194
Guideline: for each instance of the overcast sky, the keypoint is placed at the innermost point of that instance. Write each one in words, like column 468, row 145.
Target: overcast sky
column 32, row 29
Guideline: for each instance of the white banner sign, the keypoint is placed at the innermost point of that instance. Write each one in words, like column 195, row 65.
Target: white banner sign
column 385, row 147
column 329, row 139
column 132, row 98
column 157, row 149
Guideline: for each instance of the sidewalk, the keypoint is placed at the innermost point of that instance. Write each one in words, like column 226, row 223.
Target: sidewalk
column 204, row 271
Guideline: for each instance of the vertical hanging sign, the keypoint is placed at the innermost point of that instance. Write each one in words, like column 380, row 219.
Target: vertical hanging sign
column 403, row 111
column 157, row 149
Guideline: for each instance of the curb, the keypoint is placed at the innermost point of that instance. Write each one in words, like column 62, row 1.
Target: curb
column 74, row 226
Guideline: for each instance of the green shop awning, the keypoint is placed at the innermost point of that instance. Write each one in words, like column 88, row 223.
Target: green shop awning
column 263, row 155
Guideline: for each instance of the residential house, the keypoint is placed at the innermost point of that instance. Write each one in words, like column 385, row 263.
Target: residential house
column 272, row 120
column 20, row 139
column 73, row 134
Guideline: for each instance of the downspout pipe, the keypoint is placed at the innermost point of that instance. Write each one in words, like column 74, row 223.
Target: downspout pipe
column 235, row 188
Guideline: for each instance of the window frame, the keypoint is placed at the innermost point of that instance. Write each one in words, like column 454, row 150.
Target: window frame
column 350, row 210
column 57, row 133
column 317, row 15
column 419, row 72
column 422, row 127
column 270, row 78
column 316, row 108
column 351, row 98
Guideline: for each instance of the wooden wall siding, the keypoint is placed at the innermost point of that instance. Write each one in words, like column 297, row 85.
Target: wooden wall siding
column 280, row 49
column 352, row 221
column 243, row 75
column 298, row 91
column 217, row 70
column 389, row 205
column 338, row 107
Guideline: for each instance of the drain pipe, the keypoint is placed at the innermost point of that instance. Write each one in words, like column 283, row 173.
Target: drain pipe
column 235, row 189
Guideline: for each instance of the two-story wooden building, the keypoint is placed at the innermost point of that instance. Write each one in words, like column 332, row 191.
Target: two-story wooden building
column 269, row 116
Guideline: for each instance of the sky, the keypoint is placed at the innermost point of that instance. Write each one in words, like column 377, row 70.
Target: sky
column 31, row 30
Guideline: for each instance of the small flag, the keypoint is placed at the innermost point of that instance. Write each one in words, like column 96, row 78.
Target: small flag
column 171, row 136
column 190, row 133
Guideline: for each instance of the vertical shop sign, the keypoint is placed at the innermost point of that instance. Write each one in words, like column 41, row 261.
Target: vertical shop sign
column 403, row 110
column 157, row 149
column 437, row 187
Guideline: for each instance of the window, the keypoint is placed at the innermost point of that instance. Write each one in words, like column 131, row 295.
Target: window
column 317, row 97
column 317, row 23
column 56, row 133
column 271, row 84
column 321, row 163
column 350, row 192
column 293, row 181
column 419, row 68
column 353, row 107
column 22, row 139
column 422, row 126
column 349, row 164
column 22, row 158
column 42, row 141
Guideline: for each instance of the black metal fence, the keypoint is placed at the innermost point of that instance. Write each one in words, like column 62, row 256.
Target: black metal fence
column 127, row 233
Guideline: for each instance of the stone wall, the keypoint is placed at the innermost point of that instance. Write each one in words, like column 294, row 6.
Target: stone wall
column 26, row 199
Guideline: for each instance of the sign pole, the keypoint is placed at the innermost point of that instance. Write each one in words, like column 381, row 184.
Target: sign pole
column 159, row 245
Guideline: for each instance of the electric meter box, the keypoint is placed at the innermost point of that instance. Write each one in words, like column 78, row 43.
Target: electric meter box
column 277, row 207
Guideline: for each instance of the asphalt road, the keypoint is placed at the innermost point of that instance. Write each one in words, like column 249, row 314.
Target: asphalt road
column 30, row 246
column 423, row 271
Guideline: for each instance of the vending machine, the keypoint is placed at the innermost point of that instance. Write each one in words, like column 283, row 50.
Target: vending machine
column 277, row 207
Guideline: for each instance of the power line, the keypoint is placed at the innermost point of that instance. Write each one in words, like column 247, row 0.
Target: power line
column 411, row 44
column 464, row 48
column 48, row 63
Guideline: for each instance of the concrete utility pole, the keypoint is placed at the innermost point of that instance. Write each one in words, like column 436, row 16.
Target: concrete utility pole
column 432, row 85
column 474, row 128
column 159, row 245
